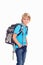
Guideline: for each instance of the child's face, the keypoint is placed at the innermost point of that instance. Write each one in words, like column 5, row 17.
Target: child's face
column 26, row 20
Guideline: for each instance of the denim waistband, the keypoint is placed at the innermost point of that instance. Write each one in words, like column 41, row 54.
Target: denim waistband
column 23, row 47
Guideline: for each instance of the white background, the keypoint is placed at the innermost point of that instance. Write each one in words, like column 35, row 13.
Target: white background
column 10, row 13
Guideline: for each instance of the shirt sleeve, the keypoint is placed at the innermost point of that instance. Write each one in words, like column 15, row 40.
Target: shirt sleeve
column 16, row 30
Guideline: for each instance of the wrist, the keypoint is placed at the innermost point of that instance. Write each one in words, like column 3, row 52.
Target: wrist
column 26, row 44
column 18, row 44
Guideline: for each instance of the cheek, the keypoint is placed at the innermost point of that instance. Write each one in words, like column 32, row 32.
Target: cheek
column 24, row 21
column 28, row 21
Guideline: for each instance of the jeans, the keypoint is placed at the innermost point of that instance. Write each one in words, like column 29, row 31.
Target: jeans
column 21, row 55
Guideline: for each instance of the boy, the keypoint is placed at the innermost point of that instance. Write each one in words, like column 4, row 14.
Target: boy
column 21, row 41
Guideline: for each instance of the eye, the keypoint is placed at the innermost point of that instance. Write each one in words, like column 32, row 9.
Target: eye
column 24, row 19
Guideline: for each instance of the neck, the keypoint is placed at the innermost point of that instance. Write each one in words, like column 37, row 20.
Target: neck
column 25, row 24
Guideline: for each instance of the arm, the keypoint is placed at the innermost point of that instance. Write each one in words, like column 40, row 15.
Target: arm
column 16, row 41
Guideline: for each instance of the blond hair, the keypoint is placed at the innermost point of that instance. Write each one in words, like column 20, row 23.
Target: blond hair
column 26, row 15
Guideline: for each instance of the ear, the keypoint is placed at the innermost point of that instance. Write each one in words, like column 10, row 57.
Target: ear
column 21, row 20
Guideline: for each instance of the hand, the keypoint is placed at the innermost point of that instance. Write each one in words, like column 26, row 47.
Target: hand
column 26, row 44
column 20, row 45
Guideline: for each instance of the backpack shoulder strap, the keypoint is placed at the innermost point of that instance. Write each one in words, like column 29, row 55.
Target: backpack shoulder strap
column 20, row 29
